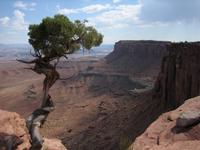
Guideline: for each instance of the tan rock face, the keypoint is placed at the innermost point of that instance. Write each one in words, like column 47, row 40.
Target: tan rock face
column 163, row 134
column 14, row 134
column 13, row 131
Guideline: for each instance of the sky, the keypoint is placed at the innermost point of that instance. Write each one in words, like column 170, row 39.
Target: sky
column 171, row 20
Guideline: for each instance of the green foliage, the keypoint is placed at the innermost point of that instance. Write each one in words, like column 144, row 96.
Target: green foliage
column 57, row 36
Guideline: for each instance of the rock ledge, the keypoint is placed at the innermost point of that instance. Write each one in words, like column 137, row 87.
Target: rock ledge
column 166, row 133
column 14, row 134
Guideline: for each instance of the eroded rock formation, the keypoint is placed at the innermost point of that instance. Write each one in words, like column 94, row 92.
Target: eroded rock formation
column 165, row 134
column 14, row 134
column 179, row 78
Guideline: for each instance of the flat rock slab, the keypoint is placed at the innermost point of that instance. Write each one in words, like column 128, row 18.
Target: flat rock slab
column 188, row 119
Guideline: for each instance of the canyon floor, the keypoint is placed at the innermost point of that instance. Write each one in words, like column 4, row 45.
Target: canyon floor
column 96, row 107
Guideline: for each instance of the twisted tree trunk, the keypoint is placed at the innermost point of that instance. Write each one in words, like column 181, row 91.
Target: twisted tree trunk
column 38, row 117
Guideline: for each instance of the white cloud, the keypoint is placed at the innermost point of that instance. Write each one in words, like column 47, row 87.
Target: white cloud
column 20, row 4
column 66, row 11
column 94, row 8
column 118, row 26
column 17, row 22
column 4, row 21
column 118, row 17
column 116, row 1
column 88, row 9
column 25, row 6
column 111, row 17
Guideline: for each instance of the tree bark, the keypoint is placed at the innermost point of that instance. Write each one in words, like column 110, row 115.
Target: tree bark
column 38, row 117
column 35, row 121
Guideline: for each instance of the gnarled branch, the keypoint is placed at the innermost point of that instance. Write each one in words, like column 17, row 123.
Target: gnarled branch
column 28, row 62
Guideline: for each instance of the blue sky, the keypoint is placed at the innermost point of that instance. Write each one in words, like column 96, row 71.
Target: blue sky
column 174, row 20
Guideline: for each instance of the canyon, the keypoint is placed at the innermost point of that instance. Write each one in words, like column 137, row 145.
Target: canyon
column 104, row 103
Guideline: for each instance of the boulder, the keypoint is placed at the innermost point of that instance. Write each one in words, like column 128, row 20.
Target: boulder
column 188, row 119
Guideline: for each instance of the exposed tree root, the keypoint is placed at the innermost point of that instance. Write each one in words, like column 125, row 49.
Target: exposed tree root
column 36, row 120
column 38, row 117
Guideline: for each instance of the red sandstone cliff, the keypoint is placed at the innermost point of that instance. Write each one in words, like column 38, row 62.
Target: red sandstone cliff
column 139, row 58
column 179, row 78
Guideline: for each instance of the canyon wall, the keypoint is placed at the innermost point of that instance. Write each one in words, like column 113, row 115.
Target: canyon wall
column 139, row 58
column 179, row 78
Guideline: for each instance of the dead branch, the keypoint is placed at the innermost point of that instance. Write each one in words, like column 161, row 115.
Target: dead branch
column 28, row 62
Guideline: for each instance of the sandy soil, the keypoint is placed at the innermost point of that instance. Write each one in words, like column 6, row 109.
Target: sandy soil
column 94, row 109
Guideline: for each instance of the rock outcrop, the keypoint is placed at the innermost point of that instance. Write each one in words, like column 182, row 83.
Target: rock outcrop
column 165, row 134
column 53, row 144
column 139, row 58
column 188, row 119
column 179, row 78
column 14, row 134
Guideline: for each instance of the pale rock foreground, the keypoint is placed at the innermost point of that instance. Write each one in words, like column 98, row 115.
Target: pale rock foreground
column 167, row 134
column 14, row 134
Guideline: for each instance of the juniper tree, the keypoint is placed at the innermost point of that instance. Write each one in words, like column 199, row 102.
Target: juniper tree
column 53, row 38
